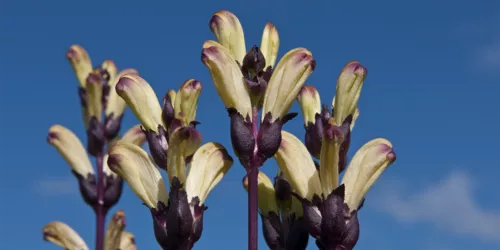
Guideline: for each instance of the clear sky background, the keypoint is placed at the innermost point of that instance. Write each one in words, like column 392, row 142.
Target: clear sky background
column 433, row 89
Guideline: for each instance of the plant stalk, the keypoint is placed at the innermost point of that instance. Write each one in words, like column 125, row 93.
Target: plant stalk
column 252, row 173
column 100, row 210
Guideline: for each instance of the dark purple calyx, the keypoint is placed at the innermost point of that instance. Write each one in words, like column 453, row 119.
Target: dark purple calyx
column 113, row 187
column 95, row 137
column 88, row 188
column 158, row 145
column 269, row 137
column 314, row 136
column 112, row 126
column 242, row 137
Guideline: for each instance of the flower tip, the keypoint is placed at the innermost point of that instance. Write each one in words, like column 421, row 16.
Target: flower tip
column 52, row 136
column 308, row 90
column 214, row 21
column 75, row 51
column 124, row 83
column 192, row 84
column 119, row 216
column 356, row 68
column 270, row 26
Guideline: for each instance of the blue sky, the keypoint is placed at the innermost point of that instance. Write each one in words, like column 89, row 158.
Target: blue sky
column 432, row 89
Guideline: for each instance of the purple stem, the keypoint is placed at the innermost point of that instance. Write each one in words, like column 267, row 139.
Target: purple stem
column 252, row 173
column 100, row 210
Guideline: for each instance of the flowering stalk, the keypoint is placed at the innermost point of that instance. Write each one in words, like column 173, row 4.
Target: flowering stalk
column 247, row 82
column 101, row 189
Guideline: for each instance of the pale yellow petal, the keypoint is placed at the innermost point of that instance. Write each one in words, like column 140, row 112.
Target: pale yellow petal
column 116, row 104
column 141, row 98
column 209, row 164
column 71, row 148
column 365, row 168
column 186, row 101
column 64, row 236
column 298, row 167
column 114, row 231
column 227, row 77
column 310, row 103
column 228, row 31
column 135, row 166
column 183, row 142
column 94, row 95
column 270, row 44
column 127, row 241
column 329, row 158
column 288, row 78
column 81, row 63
column 349, row 85
column 135, row 135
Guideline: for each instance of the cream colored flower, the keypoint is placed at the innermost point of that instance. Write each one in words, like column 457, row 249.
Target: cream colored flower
column 64, row 236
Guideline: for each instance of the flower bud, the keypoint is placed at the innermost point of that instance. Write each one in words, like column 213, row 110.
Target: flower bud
column 94, row 91
column 168, row 112
column 286, row 81
column 349, row 85
column 184, row 142
column 209, row 165
column 329, row 159
column 114, row 231
column 365, row 168
column 135, row 166
column 298, row 167
column 227, row 78
column 228, row 31
column 242, row 137
column 270, row 44
column 310, row 102
column 81, row 63
column 179, row 218
column 186, row 101
column 253, row 62
column 64, row 236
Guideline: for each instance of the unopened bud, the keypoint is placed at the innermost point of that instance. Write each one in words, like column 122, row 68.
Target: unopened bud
column 241, row 136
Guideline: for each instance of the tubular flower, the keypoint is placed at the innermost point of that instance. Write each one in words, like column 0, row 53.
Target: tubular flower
column 73, row 151
column 249, row 82
column 160, row 123
column 178, row 215
column 330, row 211
column 64, row 236
column 114, row 104
column 281, row 214
column 344, row 106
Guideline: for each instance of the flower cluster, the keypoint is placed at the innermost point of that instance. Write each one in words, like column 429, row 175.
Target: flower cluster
column 174, row 144
column 64, row 236
column 249, row 82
